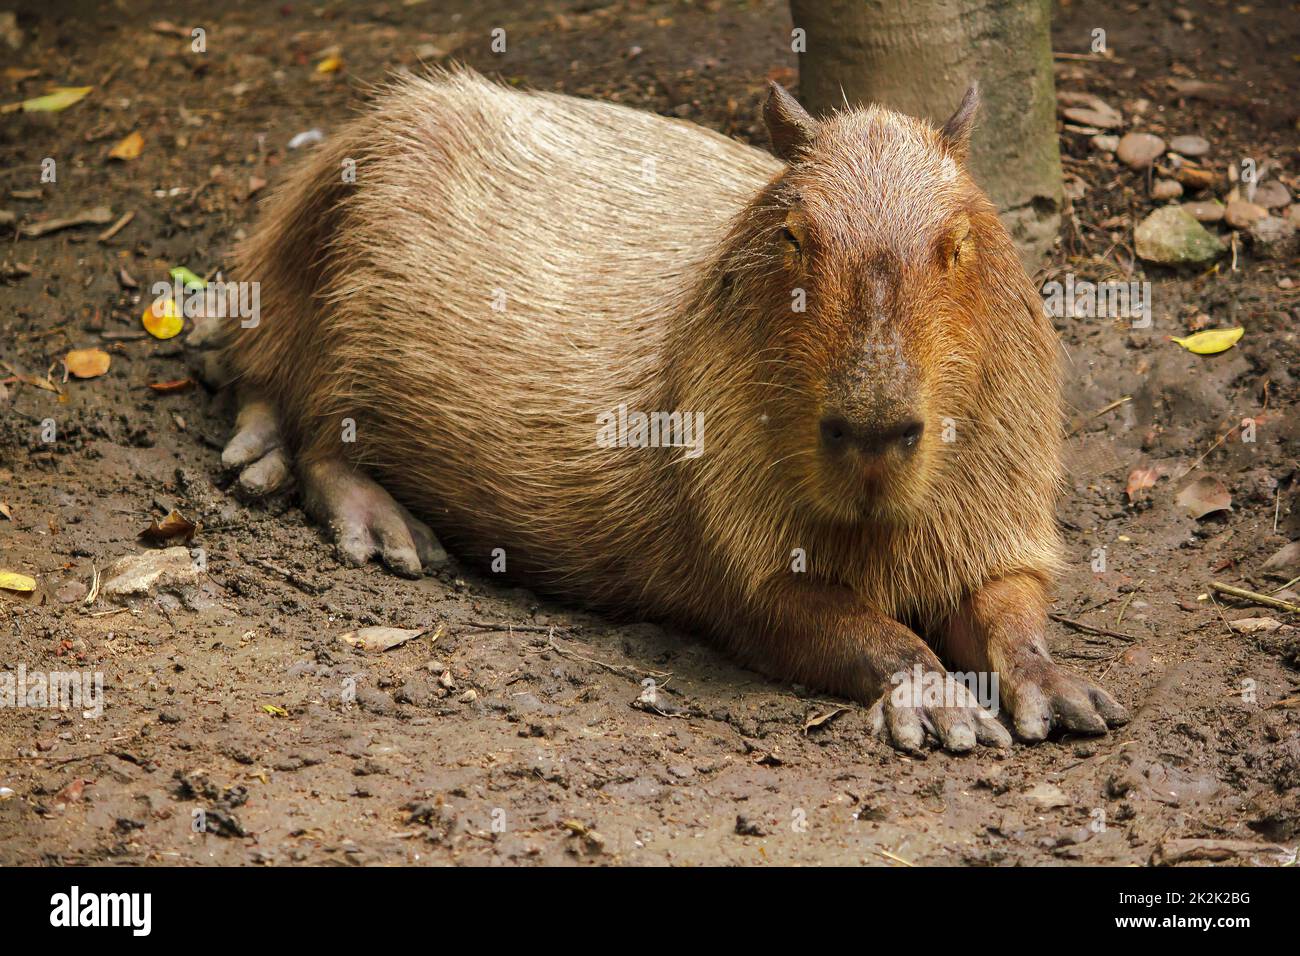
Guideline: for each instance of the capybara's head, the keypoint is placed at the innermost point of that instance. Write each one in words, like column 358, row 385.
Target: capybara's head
column 881, row 255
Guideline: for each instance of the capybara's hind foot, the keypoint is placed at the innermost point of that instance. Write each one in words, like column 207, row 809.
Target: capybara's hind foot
column 366, row 521
column 256, row 448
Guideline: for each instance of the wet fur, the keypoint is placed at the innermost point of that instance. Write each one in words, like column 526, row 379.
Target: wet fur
column 663, row 294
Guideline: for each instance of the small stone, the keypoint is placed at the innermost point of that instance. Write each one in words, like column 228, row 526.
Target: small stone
column 71, row 592
column 1241, row 214
column 1045, row 796
column 1210, row 210
column 1105, row 143
column 1274, row 238
column 1271, row 195
column 1171, row 236
column 1190, row 146
column 1166, row 189
column 1139, row 150
column 138, row 574
column 1099, row 115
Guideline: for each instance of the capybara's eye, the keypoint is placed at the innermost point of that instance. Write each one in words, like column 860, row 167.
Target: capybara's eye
column 791, row 239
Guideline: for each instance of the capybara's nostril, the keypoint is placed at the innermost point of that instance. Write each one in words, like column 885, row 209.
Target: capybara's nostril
column 836, row 432
column 839, row 434
column 911, row 436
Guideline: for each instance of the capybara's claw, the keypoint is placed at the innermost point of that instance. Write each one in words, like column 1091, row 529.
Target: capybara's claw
column 367, row 522
column 939, row 708
column 1043, row 697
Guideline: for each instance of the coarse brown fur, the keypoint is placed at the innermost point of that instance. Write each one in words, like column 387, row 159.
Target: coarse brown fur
column 508, row 266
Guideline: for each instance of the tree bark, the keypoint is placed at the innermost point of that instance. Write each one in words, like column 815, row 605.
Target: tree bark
column 919, row 56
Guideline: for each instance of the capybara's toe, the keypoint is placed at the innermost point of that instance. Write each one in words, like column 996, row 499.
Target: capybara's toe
column 268, row 474
column 1046, row 697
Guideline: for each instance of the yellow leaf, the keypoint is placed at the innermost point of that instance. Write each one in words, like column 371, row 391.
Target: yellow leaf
column 13, row 581
column 275, row 711
column 128, row 148
column 60, row 99
column 1210, row 341
column 162, row 320
column 329, row 65
column 86, row 363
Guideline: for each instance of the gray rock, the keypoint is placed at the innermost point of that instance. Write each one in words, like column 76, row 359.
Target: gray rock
column 1139, row 150
column 140, row 574
column 1172, row 236
column 1271, row 195
column 1274, row 238
column 1166, row 189
column 1189, row 146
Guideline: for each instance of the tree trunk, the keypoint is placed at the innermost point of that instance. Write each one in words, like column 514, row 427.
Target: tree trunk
column 918, row 57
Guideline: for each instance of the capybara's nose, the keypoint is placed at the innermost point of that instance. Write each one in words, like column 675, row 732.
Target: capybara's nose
column 839, row 434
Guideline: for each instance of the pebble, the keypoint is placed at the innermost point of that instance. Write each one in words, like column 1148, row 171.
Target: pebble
column 1271, row 195
column 1240, row 214
column 1190, row 146
column 1105, row 143
column 1101, row 116
column 1210, row 210
column 1139, row 150
column 1274, row 238
column 1166, row 189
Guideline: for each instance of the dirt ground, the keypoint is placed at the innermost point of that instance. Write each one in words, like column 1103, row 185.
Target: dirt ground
column 478, row 743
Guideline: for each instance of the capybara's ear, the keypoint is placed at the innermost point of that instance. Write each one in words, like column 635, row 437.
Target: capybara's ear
column 788, row 123
column 956, row 132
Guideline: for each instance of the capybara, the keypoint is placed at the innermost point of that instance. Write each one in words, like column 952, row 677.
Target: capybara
column 808, row 405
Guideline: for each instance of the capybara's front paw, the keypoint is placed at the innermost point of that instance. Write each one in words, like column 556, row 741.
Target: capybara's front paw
column 367, row 522
column 1041, row 696
column 927, row 703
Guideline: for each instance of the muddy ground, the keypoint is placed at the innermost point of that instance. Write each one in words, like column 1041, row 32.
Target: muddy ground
column 481, row 744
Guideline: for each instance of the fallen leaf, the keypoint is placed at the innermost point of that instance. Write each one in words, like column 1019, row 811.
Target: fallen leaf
column 87, row 363
column 1253, row 625
column 175, row 526
column 4, row 510
column 275, row 711
column 60, row 98
column 13, row 581
column 330, row 64
column 825, row 717
column 1140, row 479
column 176, row 385
column 377, row 639
column 162, row 320
column 190, row 280
column 1210, row 341
column 128, row 148
column 1204, row 496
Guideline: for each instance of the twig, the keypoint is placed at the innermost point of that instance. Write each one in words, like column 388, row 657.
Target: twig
column 1091, row 629
column 1255, row 597
column 1119, row 618
column 623, row 670
column 507, row 627
column 303, row 586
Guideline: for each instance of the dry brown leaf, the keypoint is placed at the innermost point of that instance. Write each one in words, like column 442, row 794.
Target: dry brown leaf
column 172, row 528
column 1204, row 496
column 176, row 385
